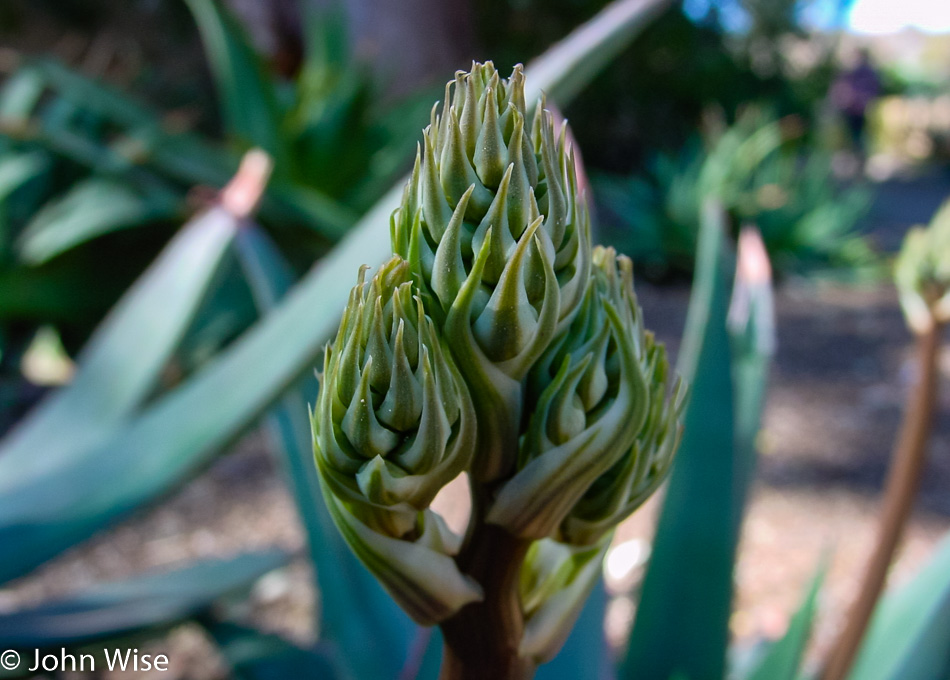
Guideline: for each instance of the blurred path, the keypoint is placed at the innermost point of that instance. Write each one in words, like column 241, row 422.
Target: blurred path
column 902, row 202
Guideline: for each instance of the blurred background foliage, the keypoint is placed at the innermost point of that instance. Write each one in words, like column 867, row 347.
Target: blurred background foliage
column 121, row 121
column 681, row 60
column 140, row 120
column 95, row 181
column 768, row 173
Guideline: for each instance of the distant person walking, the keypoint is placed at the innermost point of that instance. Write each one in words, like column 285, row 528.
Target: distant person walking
column 851, row 94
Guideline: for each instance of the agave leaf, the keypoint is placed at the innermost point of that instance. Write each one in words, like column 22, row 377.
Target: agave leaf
column 96, row 484
column 100, row 99
column 428, row 661
column 93, row 207
column 183, row 157
column 353, row 606
column 909, row 637
column 20, row 95
column 248, row 98
column 113, row 609
column 783, row 659
column 726, row 365
column 158, row 448
column 16, row 169
column 144, row 144
column 120, row 364
column 255, row 655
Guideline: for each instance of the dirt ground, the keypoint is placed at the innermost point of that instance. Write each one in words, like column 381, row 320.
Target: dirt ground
column 840, row 375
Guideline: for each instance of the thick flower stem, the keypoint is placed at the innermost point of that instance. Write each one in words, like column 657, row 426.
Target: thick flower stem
column 481, row 640
column 902, row 482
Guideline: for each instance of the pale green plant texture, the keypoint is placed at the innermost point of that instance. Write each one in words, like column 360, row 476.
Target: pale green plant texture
column 500, row 343
column 922, row 272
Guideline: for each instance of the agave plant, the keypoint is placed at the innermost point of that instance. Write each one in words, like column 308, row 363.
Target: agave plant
column 497, row 342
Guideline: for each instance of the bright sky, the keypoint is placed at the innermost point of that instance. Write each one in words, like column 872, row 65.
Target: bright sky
column 888, row 16
column 864, row 16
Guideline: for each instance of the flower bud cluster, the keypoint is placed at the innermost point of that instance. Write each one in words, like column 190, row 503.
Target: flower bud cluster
column 394, row 423
column 603, row 429
column 604, row 425
column 499, row 343
column 494, row 225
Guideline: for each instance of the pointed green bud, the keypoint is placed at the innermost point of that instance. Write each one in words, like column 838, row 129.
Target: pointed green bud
column 556, row 580
column 617, row 493
column 498, row 236
column 393, row 424
column 922, row 273
column 598, row 401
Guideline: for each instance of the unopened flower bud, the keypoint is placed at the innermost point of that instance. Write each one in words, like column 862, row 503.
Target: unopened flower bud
column 496, row 343
column 394, row 423
column 493, row 224
column 601, row 402
column 632, row 480
column 556, row 580
column 922, row 273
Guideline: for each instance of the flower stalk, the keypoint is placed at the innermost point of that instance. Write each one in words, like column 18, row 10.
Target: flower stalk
column 482, row 640
column 922, row 274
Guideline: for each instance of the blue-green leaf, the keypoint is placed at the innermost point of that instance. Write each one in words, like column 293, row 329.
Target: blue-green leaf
column 353, row 606
column 783, row 659
column 121, row 362
column 567, row 67
column 909, row 637
column 682, row 619
column 144, row 145
column 20, row 95
column 113, row 609
column 255, row 655
column 18, row 168
column 91, row 208
column 248, row 98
